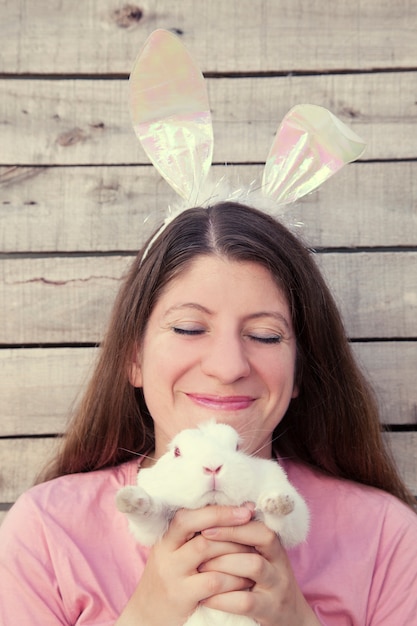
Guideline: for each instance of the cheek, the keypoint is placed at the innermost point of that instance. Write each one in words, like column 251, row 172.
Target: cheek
column 279, row 373
column 171, row 360
column 160, row 370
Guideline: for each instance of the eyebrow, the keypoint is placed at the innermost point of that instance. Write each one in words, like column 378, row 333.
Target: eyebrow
column 199, row 307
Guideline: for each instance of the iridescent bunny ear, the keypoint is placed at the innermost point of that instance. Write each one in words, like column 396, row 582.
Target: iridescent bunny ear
column 171, row 117
column 171, row 114
column 311, row 145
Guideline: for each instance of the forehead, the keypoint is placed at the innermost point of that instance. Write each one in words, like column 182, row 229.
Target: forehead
column 209, row 277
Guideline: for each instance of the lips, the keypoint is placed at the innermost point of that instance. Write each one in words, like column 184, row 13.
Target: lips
column 221, row 403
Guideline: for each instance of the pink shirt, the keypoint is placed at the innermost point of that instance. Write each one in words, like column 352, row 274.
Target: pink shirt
column 67, row 556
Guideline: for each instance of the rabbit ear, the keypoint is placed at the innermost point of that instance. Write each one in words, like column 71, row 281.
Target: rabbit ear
column 170, row 113
column 311, row 145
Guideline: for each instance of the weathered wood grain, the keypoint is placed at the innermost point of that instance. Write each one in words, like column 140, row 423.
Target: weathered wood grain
column 16, row 477
column 20, row 462
column 39, row 387
column 83, row 209
column 67, row 300
column 376, row 293
column 91, row 36
column 87, row 121
column 404, row 448
column 51, row 380
column 58, row 300
column 391, row 367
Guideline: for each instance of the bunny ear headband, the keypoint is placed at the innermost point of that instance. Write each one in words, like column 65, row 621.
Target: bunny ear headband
column 171, row 117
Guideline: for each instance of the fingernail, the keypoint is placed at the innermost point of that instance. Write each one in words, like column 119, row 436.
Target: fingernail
column 242, row 513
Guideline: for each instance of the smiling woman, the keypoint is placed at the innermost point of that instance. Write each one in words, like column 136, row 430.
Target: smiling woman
column 224, row 316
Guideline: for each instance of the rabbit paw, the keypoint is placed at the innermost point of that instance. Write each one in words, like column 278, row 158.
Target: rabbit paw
column 277, row 504
column 133, row 500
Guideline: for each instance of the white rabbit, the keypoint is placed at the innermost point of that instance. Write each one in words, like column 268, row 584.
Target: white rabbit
column 204, row 466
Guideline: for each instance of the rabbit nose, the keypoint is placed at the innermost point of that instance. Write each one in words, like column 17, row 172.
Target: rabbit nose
column 212, row 470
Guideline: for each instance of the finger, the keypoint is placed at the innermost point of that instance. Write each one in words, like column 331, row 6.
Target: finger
column 248, row 564
column 200, row 550
column 274, row 595
column 255, row 534
column 186, row 523
column 204, row 586
column 239, row 602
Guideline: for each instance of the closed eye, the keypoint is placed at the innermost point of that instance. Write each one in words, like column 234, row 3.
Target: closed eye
column 187, row 331
column 268, row 340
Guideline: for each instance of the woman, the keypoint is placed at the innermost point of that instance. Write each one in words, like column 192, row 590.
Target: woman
column 225, row 316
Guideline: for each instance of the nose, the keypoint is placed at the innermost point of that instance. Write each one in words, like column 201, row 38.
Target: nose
column 212, row 470
column 226, row 359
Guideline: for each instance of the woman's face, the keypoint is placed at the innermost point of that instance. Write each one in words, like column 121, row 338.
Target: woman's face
column 219, row 344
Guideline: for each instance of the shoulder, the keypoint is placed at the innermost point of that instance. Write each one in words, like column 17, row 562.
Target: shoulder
column 323, row 488
column 65, row 500
column 329, row 493
column 362, row 515
column 85, row 485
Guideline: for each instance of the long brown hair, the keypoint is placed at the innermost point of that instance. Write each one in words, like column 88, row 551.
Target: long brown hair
column 332, row 425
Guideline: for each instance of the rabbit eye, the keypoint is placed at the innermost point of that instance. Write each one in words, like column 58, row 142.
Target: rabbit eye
column 177, row 452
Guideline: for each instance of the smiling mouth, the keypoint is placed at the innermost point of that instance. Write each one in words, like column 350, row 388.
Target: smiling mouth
column 222, row 403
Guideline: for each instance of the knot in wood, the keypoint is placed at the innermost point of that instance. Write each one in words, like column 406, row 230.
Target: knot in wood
column 71, row 137
column 128, row 15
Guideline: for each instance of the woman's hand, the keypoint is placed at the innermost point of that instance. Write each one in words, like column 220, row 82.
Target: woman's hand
column 275, row 598
column 173, row 582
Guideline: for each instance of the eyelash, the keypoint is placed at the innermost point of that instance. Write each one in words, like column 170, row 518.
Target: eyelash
column 186, row 331
column 265, row 340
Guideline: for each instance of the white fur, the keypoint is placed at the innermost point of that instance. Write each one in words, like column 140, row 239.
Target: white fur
column 179, row 480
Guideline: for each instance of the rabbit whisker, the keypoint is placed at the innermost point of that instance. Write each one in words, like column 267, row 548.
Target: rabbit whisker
column 267, row 444
column 145, row 456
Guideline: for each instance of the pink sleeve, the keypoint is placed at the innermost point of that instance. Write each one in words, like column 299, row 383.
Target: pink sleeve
column 29, row 592
column 393, row 597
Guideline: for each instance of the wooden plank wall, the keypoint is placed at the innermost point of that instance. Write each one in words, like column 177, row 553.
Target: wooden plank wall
column 75, row 186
